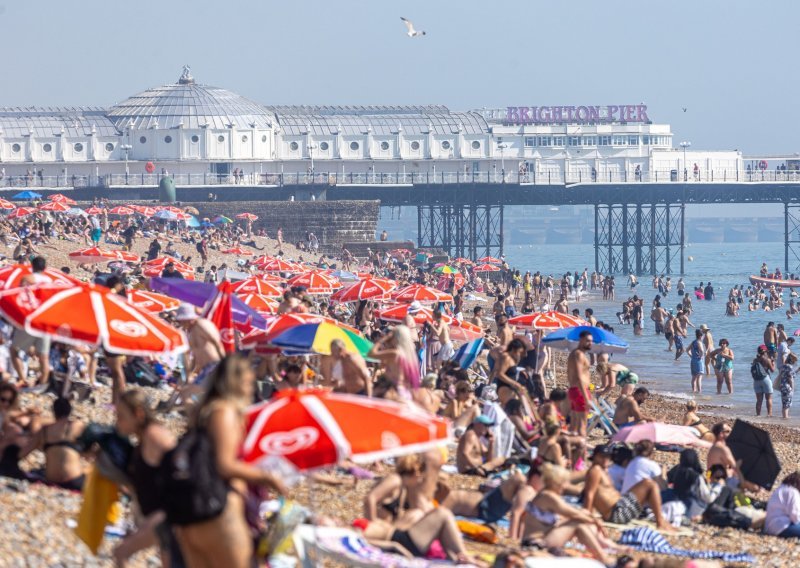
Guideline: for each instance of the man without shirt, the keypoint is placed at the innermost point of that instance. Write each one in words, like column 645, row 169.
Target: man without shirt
column 578, row 379
column 628, row 411
column 473, row 456
column 347, row 372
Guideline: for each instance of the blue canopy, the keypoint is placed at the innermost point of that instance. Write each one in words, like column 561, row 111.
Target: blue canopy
column 192, row 222
column 603, row 341
column 27, row 195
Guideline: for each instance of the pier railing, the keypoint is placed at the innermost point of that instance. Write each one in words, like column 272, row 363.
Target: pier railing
column 411, row 178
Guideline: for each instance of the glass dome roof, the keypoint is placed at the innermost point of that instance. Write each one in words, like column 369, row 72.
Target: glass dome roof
column 187, row 104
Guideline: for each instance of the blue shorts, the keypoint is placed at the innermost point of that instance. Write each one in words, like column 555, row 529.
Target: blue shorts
column 697, row 366
column 678, row 343
column 764, row 386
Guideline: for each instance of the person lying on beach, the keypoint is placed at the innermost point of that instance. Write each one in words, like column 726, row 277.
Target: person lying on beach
column 492, row 506
column 396, row 493
column 628, row 411
column 599, row 494
column 691, row 419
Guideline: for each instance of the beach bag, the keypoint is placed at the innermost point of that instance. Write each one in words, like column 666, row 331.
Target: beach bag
column 192, row 489
column 477, row 531
column 139, row 372
column 757, row 371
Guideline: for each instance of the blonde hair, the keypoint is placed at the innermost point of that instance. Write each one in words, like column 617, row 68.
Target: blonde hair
column 553, row 475
column 601, row 368
column 691, row 405
column 409, row 463
column 136, row 399
column 407, row 360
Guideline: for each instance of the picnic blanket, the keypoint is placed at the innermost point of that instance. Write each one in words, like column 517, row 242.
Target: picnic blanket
column 648, row 540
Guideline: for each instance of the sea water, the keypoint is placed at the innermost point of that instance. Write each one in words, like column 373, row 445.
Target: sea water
column 725, row 265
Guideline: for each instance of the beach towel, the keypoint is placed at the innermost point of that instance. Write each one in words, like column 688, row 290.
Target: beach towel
column 98, row 509
column 648, row 540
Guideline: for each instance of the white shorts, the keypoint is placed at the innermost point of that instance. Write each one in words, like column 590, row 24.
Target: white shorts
column 446, row 352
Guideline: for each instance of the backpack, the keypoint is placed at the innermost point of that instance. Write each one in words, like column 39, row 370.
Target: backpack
column 139, row 372
column 191, row 486
column 757, row 371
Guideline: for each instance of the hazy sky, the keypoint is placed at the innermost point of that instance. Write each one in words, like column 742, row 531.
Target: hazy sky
column 730, row 63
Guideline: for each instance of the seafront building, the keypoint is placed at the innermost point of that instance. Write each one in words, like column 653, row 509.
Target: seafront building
column 203, row 135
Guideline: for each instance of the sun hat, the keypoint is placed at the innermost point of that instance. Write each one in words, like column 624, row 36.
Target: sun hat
column 186, row 312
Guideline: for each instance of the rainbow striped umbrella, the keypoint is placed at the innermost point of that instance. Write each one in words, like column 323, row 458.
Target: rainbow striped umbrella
column 317, row 337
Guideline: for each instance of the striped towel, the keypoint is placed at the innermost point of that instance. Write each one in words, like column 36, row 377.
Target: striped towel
column 648, row 540
column 467, row 353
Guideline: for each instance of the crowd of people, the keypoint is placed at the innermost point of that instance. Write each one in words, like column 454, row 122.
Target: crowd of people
column 542, row 465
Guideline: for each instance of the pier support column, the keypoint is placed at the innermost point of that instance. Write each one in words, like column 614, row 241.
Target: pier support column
column 791, row 238
column 471, row 230
column 640, row 238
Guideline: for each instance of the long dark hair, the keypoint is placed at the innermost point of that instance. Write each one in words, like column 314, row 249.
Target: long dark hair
column 792, row 480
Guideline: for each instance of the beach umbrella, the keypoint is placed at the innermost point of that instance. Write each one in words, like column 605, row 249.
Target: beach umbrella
column 490, row 260
column 247, row 217
column 61, row 198
column 27, row 195
column 315, row 282
column 165, row 215
column 170, row 208
column 106, row 319
column 317, row 337
column 457, row 280
column 399, row 252
column 367, row 289
column 547, row 321
column 162, row 261
column 220, row 313
column 660, row 433
column 152, row 302
column 145, row 210
column 55, row 206
column 94, row 210
column 259, row 303
column 445, row 269
column 420, row 293
column 398, row 313
column 192, row 222
column 191, row 210
column 5, row 204
column 222, row 220
column 95, row 255
column 343, row 274
column 461, row 330
column 121, row 210
column 752, row 446
column 486, row 268
column 461, row 260
column 202, row 294
column 20, row 212
column 312, row 429
column 257, row 285
column 11, row 276
column 604, row 341
column 468, row 353
column 238, row 251
column 278, row 265
column 75, row 212
column 277, row 325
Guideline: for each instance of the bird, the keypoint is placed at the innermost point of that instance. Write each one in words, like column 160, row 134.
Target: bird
column 410, row 27
column 684, row 109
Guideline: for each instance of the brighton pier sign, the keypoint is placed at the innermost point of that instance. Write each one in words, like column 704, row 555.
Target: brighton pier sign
column 570, row 114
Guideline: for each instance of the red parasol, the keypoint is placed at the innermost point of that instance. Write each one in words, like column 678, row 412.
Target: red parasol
column 269, row 264
column 55, row 206
column 260, row 303
column 61, row 198
column 257, row 285
column 220, row 313
column 11, row 276
column 152, row 302
column 5, row 204
column 547, row 321
column 144, row 210
column 121, row 210
column 94, row 210
column 238, row 251
column 486, row 268
column 95, row 255
column 490, row 260
column 314, row 429
column 247, row 217
column 367, row 289
column 420, row 293
column 315, row 282
column 20, row 212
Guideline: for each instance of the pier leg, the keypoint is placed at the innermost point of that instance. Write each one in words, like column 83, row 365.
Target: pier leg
column 472, row 230
column 791, row 239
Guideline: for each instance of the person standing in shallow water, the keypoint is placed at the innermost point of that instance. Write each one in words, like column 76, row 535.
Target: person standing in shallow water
column 760, row 370
column 697, row 352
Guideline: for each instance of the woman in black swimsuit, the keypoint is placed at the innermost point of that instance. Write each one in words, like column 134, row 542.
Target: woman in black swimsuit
column 62, row 453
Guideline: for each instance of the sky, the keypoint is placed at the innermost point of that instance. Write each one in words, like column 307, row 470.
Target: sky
column 727, row 62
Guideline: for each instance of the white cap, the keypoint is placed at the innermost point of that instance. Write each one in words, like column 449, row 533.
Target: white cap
column 186, row 312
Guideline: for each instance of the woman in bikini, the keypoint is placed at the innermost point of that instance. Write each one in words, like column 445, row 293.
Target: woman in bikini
column 550, row 522
column 62, row 453
column 692, row 420
column 550, row 447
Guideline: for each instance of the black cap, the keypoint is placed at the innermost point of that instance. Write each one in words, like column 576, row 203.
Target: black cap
column 601, row 450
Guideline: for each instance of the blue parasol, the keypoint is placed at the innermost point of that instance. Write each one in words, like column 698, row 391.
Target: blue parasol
column 27, row 195
column 603, row 341
column 200, row 294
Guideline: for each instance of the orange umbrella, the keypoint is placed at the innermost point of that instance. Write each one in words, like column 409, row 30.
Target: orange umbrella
column 162, row 262
column 94, row 210
column 490, row 260
column 238, row 251
column 61, row 198
column 278, row 265
column 220, row 313
column 464, row 330
column 20, row 212
column 55, row 206
column 106, row 319
column 547, row 321
column 460, row 260
column 247, row 217
column 260, row 303
column 315, row 282
column 398, row 313
column 445, row 280
column 11, row 276
column 486, row 268
column 5, row 204
column 170, row 208
column 121, row 210
column 152, row 301
column 314, row 428
column 366, row 289
column 257, row 285
column 144, row 210
column 420, row 293
column 95, row 255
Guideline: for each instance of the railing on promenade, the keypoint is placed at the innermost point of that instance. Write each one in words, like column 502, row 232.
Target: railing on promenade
column 412, row 178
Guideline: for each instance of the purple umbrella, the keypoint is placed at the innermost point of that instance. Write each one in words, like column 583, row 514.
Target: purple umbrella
column 200, row 294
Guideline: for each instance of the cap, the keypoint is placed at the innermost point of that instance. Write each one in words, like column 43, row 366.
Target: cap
column 601, row 450
column 485, row 420
column 415, row 306
column 704, row 327
column 186, row 312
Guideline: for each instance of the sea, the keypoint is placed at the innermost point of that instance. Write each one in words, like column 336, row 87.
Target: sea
column 725, row 265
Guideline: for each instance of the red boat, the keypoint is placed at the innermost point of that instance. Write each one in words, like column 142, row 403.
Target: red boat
column 767, row 282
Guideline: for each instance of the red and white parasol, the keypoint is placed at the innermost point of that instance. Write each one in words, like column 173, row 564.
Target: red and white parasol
column 5, row 204
column 547, row 321
column 61, row 198
column 11, row 276
column 420, row 293
column 257, row 285
column 270, row 264
column 366, row 289
column 247, row 217
column 238, row 251
column 94, row 255
column 152, row 302
column 94, row 210
column 486, row 268
column 315, row 282
column 20, row 212
column 55, row 207
column 121, row 210
column 259, row 303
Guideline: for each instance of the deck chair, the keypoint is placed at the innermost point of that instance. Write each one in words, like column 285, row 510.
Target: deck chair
column 602, row 416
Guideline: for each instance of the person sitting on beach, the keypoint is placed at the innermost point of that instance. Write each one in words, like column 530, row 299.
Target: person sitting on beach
column 621, row 457
column 551, row 523
column 491, row 506
column 58, row 442
column 396, row 493
column 691, row 419
column 628, row 411
column 599, row 493
column 16, row 429
column 720, row 454
column 474, row 455
column 783, row 508
column 642, row 467
column 612, row 374
column 464, row 408
column 549, row 448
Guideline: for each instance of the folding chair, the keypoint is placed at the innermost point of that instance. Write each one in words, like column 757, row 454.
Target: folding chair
column 600, row 416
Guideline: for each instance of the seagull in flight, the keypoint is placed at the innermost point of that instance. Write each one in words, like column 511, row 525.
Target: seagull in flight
column 684, row 109
column 410, row 27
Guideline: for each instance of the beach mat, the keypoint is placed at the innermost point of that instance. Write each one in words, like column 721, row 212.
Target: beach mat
column 682, row 531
